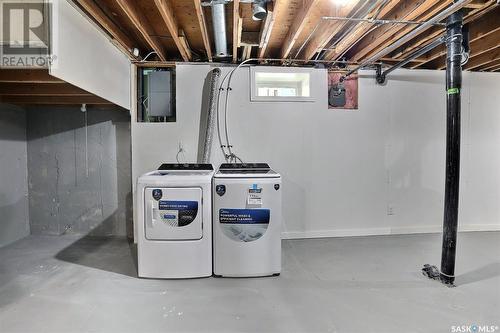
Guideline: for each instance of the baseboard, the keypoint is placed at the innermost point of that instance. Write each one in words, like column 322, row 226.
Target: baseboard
column 383, row 231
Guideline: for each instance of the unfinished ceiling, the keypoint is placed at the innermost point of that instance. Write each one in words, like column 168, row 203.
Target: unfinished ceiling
column 36, row 86
column 182, row 30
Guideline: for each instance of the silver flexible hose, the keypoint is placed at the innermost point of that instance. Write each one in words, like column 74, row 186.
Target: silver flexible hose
column 211, row 117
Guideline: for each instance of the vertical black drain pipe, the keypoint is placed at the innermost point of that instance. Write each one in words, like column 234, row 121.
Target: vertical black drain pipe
column 453, row 96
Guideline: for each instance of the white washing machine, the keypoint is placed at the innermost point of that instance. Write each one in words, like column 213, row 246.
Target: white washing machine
column 247, row 220
column 175, row 221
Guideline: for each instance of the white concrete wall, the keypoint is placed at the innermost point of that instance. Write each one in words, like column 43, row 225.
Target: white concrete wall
column 14, row 212
column 377, row 170
column 86, row 58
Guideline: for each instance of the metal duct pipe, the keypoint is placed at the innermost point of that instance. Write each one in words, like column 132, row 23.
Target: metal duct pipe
column 219, row 26
column 211, row 117
column 259, row 11
column 435, row 19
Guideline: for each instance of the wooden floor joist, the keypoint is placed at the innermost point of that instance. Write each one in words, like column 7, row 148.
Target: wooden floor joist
column 361, row 30
column 480, row 28
column 41, row 89
column 54, row 100
column 108, row 25
column 14, row 75
column 297, row 26
column 203, row 28
column 423, row 12
column 327, row 30
column 168, row 17
column 292, row 29
column 141, row 24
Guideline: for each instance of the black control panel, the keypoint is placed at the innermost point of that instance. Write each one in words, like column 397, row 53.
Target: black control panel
column 186, row 166
column 245, row 166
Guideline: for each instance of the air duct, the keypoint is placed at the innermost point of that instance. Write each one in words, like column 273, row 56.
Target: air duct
column 219, row 26
column 211, row 115
column 259, row 11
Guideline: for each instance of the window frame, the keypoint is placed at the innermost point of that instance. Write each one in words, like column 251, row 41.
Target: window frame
column 266, row 69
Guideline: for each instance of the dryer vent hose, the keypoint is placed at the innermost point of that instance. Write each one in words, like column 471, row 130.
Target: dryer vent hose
column 211, row 117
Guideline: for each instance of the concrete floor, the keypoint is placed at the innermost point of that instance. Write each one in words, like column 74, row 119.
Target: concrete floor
column 365, row 284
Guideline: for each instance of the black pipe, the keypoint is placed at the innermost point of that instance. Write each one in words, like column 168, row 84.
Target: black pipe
column 453, row 91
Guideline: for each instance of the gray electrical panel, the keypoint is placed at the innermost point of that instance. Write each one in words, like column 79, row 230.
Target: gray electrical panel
column 160, row 94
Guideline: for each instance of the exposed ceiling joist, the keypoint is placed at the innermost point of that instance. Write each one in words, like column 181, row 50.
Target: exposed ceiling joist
column 8, row 75
column 328, row 29
column 475, row 4
column 166, row 26
column 54, row 100
column 141, row 24
column 273, row 10
column 236, row 24
column 203, row 28
column 297, row 26
column 490, row 66
column 480, row 28
column 385, row 36
column 478, row 45
column 113, row 30
column 483, row 59
column 41, row 89
column 435, row 32
column 240, row 28
column 359, row 32
column 169, row 19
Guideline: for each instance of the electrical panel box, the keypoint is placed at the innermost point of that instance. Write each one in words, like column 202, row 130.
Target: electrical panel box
column 159, row 94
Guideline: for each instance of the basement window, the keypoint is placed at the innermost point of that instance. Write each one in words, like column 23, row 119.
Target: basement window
column 280, row 84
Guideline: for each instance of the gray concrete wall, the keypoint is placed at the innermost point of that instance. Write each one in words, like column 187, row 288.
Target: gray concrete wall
column 79, row 176
column 14, row 213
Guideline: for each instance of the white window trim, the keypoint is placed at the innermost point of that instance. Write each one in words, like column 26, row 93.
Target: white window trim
column 267, row 69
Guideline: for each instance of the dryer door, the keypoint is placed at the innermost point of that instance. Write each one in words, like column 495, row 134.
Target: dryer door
column 173, row 213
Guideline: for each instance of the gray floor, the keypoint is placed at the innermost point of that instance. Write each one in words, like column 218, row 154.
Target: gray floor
column 366, row 284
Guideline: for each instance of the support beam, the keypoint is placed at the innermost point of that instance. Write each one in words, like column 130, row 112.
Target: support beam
column 203, row 28
column 113, row 30
column 142, row 25
column 297, row 26
column 9, row 75
column 273, row 10
column 236, row 30
column 54, row 100
column 240, row 27
column 168, row 17
column 41, row 89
